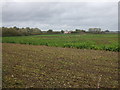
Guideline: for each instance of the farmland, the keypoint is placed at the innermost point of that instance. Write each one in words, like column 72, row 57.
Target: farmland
column 60, row 61
column 35, row 66
column 60, row 44
column 84, row 41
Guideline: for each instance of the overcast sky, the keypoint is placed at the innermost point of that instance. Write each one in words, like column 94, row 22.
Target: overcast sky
column 61, row 15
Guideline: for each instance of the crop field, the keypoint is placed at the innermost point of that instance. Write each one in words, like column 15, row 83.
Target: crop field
column 107, row 42
column 60, row 61
column 35, row 66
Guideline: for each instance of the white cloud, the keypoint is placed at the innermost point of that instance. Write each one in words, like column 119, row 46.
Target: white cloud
column 62, row 15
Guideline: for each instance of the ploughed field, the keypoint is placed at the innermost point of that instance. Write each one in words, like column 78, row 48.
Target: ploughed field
column 36, row 66
column 108, row 42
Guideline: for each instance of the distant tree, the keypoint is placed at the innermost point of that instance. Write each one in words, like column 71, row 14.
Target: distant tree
column 14, row 31
column 28, row 29
column 77, row 30
column 50, row 31
column 37, row 30
column 15, row 28
column 10, row 31
column 107, row 31
column 62, row 31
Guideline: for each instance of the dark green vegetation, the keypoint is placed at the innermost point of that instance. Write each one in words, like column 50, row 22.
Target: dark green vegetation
column 26, row 66
column 15, row 31
column 81, row 41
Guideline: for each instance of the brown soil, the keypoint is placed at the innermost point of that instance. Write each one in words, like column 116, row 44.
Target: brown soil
column 26, row 66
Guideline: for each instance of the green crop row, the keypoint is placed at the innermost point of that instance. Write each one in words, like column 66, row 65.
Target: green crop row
column 107, row 42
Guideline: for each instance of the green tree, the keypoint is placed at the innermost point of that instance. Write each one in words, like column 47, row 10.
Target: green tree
column 50, row 31
column 15, row 28
column 62, row 31
column 107, row 31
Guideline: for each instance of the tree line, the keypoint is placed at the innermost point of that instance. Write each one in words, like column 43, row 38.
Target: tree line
column 15, row 31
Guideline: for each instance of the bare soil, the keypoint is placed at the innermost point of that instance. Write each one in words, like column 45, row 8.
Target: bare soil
column 26, row 66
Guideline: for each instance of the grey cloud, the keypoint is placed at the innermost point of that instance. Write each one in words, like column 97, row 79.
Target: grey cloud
column 61, row 15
